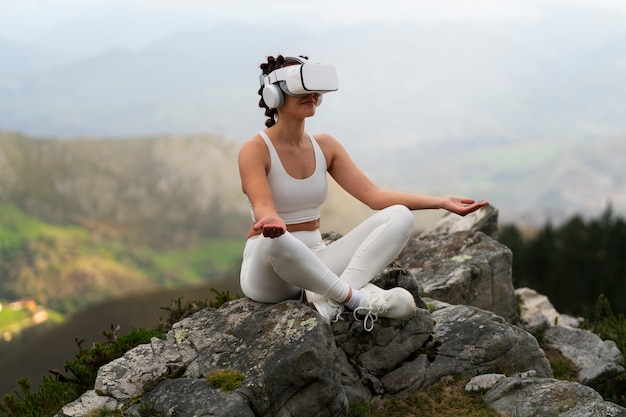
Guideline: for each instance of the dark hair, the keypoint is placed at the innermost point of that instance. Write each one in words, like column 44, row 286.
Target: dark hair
column 266, row 68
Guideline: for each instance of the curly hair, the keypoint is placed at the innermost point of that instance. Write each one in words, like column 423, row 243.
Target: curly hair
column 272, row 64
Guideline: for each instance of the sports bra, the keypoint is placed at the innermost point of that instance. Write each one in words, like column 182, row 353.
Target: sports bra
column 296, row 200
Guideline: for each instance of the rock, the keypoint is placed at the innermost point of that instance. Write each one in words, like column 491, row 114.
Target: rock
column 571, row 321
column 87, row 402
column 468, row 342
column 542, row 397
column 293, row 361
column 536, row 311
column 467, row 268
column 194, row 397
column 475, row 341
column 483, row 382
column 597, row 360
column 434, row 305
column 286, row 352
column 484, row 220
column 130, row 375
column 375, row 359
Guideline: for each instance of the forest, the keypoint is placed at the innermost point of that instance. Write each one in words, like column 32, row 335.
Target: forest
column 575, row 263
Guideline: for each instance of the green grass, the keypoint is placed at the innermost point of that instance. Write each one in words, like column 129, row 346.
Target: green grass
column 443, row 399
column 16, row 228
column 562, row 368
column 9, row 317
column 213, row 255
column 64, row 267
column 226, row 379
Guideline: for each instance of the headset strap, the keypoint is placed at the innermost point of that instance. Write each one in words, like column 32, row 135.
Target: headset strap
column 274, row 76
column 278, row 74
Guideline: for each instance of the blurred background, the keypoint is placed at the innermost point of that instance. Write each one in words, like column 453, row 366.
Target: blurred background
column 120, row 123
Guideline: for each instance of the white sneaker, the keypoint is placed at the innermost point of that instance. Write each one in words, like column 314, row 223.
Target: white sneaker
column 329, row 309
column 396, row 303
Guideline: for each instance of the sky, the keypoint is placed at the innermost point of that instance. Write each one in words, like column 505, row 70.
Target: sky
column 506, row 73
column 25, row 20
column 69, row 30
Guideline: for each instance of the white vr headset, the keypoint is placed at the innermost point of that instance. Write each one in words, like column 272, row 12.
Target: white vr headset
column 298, row 80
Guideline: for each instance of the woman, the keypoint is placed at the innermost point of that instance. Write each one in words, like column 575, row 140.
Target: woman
column 283, row 173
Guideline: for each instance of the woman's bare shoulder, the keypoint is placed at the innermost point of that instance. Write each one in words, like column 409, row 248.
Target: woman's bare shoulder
column 254, row 144
column 327, row 141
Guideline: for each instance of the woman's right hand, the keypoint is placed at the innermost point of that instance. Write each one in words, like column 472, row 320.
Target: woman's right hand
column 271, row 226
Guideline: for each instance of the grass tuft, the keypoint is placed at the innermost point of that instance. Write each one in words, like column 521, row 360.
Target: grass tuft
column 226, row 379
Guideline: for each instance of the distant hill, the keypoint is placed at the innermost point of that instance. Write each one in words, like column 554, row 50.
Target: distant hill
column 86, row 220
column 165, row 191
column 173, row 190
column 529, row 182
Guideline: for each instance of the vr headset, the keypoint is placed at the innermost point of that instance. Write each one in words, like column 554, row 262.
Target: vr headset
column 298, row 81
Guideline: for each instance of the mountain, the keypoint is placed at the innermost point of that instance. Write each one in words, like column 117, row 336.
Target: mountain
column 435, row 108
column 529, row 182
column 416, row 83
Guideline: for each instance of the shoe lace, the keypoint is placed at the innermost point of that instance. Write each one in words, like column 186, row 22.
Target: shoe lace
column 336, row 310
column 376, row 305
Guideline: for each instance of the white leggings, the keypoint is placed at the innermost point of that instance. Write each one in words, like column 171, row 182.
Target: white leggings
column 277, row 269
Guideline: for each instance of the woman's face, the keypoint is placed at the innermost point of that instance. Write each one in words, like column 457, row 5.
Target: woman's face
column 299, row 107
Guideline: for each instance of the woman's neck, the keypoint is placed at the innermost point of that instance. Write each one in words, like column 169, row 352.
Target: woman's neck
column 287, row 131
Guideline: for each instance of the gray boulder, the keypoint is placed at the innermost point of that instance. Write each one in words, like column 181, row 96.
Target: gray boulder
column 479, row 342
column 536, row 311
column 468, row 268
column 468, row 342
column 285, row 351
column 295, row 364
column 546, row 397
column 372, row 361
column 194, row 397
column 88, row 402
column 597, row 360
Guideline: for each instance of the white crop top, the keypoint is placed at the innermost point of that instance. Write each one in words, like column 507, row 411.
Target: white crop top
column 296, row 200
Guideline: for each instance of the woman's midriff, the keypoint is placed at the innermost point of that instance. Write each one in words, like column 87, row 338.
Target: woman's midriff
column 297, row 227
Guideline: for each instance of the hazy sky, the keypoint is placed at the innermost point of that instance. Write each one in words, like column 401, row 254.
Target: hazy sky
column 29, row 19
column 548, row 70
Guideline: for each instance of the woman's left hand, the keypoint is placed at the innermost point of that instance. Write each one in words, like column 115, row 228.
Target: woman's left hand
column 462, row 206
column 271, row 226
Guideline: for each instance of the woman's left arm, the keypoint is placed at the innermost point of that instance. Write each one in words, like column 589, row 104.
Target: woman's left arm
column 355, row 182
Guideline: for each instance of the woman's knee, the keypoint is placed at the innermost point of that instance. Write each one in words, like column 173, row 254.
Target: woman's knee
column 283, row 248
column 402, row 217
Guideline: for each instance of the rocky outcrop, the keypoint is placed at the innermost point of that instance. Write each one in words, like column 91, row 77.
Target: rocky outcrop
column 597, row 360
column 463, row 265
column 285, row 353
column 537, row 312
column 541, row 397
column 292, row 363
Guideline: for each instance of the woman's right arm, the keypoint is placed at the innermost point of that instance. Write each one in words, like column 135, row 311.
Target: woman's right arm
column 254, row 164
